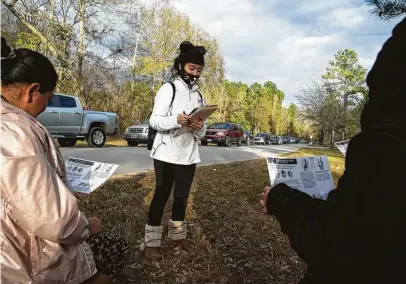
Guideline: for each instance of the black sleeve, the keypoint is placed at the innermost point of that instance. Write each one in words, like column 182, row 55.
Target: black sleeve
column 305, row 220
column 357, row 215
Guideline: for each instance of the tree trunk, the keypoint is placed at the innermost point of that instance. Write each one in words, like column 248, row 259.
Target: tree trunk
column 51, row 18
column 134, row 64
column 321, row 136
column 345, row 106
column 81, row 52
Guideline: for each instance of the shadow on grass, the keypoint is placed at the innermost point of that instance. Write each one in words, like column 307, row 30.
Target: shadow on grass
column 233, row 241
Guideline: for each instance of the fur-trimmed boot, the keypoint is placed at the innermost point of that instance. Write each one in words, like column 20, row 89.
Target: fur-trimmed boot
column 152, row 242
column 177, row 233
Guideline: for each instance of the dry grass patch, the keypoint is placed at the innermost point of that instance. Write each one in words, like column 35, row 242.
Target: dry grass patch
column 233, row 241
column 110, row 142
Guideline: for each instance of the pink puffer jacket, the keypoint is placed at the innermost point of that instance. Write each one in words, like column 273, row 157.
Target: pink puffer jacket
column 43, row 232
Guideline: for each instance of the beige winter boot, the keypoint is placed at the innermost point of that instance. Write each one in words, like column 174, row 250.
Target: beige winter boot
column 177, row 233
column 152, row 242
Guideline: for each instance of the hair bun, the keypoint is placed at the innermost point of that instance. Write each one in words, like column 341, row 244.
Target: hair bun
column 5, row 49
column 201, row 49
column 186, row 46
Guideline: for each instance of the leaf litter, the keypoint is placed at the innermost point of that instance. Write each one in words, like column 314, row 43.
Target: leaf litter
column 233, row 242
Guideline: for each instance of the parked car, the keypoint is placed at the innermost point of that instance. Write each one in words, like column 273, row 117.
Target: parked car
column 248, row 138
column 294, row 140
column 274, row 139
column 66, row 120
column 285, row 140
column 137, row 134
column 224, row 134
column 262, row 139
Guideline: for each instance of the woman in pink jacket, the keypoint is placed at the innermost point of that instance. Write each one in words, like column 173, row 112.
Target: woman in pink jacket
column 45, row 238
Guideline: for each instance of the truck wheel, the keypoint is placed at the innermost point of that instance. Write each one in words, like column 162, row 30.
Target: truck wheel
column 204, row 143
column 239, row 143
column 132, row 144
column 96, row 137
column 227, row 143
column 63, row 142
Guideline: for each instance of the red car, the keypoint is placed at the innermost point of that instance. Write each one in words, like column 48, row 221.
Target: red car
column 224, row 134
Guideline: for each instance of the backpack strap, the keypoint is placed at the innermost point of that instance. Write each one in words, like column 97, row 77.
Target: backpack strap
column 173, row 94
column 201, row 97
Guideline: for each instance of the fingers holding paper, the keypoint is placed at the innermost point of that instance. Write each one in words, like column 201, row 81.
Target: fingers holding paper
column 264, row 198
column 196, row 124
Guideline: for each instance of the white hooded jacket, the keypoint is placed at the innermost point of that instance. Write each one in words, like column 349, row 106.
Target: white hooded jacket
column 183, row 149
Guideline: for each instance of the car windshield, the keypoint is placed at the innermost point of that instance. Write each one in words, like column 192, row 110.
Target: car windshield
column 220, row 126
column 261, row 135
column 146, row 121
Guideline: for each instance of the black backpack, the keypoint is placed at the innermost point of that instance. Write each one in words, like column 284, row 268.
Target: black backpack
column 152, row 132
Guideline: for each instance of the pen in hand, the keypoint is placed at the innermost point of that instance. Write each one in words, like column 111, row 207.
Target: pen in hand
column 188, row 120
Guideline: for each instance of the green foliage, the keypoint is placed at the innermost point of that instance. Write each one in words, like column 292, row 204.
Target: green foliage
column 26, row 39
column 334, row 104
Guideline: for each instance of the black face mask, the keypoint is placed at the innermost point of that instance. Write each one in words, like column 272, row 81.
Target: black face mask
column 189, row 78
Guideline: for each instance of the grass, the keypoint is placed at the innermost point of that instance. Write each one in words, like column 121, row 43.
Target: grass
column 233, row 241
column 110, row 142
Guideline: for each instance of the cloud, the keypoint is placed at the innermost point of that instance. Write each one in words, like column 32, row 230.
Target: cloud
column 287, row 42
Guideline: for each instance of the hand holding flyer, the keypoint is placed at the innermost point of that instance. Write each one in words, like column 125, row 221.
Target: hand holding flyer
column 311, row 175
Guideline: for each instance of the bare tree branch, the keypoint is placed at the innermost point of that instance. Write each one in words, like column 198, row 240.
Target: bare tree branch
column 387, row 9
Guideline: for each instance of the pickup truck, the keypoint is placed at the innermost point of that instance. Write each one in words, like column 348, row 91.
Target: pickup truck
column 66, row 120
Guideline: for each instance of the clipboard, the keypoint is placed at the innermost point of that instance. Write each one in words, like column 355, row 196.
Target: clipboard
column 203, row 112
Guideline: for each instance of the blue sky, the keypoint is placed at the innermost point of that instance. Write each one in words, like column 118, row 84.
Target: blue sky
column 289, row 42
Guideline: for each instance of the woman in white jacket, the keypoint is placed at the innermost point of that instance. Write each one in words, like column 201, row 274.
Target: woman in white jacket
column 175, row 158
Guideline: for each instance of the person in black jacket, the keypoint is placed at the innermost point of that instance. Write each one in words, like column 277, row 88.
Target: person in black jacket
column 358, row 234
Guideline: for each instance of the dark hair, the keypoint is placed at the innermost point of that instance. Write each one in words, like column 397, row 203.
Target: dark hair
column 188, row 54
column 5, row 49
column 26, row 66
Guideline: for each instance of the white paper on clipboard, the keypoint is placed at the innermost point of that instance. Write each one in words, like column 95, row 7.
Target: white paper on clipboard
column 203, row 112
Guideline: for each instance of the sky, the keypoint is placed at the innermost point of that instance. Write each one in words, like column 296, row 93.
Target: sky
column 289, row 42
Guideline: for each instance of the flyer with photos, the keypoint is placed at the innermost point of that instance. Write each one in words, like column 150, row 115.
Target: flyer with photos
column 311, row 175
column 85, row 176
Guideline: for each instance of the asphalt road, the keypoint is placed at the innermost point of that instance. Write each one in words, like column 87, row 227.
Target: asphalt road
column 136, row 159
